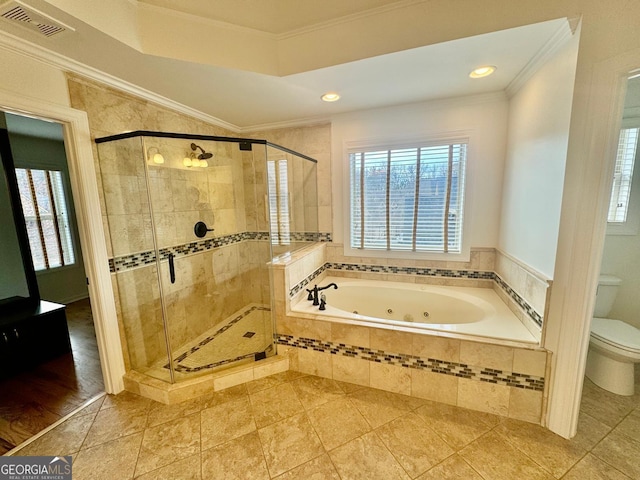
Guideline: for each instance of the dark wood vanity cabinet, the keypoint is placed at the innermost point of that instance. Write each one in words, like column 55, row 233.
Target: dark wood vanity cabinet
column 29, row 336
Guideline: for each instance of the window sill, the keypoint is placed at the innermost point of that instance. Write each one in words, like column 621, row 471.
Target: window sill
column 463, row 256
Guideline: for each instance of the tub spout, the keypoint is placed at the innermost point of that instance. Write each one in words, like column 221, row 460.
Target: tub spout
column 323, row 298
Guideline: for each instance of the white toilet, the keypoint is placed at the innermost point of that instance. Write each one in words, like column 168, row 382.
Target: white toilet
column 615, row 345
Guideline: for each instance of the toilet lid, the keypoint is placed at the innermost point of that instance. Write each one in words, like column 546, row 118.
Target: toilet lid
column 616, row 333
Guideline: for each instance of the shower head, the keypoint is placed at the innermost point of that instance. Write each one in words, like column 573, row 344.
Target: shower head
column 204, row 155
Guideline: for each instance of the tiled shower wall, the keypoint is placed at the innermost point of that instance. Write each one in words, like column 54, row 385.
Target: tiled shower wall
column 315, row 142
column 214, row 279
column 110, row 112
column 501, row 379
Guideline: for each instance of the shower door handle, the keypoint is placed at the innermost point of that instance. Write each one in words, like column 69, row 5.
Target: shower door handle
column 172, row 269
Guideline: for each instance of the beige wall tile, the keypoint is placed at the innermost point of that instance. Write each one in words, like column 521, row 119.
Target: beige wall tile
column 350, row 369
column 434, row 386
column 531, row 362
column 486, row 355
column 304, row 327
column 483, row 396
column 233, row 379
column 270, row 366
column 440, row 348
column 391, row 341
column 159, row 395
column 350, row 334
column 315, row 363
column 525, row 405
column 391, row 378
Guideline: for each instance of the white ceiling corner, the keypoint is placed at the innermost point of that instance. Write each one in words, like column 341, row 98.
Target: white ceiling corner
column 244, row 101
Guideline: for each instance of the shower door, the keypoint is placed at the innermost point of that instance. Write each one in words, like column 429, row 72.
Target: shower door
column 214, row 280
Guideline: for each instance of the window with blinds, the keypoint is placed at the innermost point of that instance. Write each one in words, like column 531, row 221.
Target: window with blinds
column 621, row 190
column 278, row 181
column 408, row 199
column 45, row 212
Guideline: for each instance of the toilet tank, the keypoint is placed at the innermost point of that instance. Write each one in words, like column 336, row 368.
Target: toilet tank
column 606, row 295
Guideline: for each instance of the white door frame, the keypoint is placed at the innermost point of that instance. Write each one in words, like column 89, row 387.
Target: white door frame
column 586, row 196
column 77, row 141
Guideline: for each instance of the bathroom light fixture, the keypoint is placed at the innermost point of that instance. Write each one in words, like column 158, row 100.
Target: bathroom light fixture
column 192, row 161
column 483, row 71
column 155, row 157
column 330, row 97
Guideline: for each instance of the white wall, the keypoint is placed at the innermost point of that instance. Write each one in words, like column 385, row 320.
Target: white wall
column 482, row 117
column 621, row 255
column 31, row 78
column 539, row 116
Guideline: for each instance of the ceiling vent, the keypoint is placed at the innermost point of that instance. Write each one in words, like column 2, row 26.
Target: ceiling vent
column 19, row 13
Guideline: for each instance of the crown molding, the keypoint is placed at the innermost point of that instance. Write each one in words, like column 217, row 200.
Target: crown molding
column 557, row 40
column 19, row 46
column 303, row 122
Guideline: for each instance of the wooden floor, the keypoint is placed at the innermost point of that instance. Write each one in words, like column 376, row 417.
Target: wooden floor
column 33, row 400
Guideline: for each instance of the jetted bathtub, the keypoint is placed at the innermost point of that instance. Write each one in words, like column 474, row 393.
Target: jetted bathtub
column 412, row 307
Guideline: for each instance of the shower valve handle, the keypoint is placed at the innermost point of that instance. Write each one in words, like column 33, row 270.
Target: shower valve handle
column 200, row 229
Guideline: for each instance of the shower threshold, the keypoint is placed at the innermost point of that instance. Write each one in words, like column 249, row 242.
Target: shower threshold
column 239, row 339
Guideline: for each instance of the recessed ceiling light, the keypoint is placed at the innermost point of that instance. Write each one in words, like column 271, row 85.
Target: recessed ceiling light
column 330, row 97
column 483, row 71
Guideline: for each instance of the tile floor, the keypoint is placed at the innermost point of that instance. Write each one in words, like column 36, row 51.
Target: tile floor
column 290, row 426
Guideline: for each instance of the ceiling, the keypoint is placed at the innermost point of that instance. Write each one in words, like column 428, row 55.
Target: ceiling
column 248, row 100
column 271, row 16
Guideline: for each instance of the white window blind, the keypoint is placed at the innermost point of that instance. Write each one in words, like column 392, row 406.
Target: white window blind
column 278, row 180
column 621, row 190
column 408, row 199
column 45, row 212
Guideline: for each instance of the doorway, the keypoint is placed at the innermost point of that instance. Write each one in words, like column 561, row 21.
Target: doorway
column 37, row 397
column 600, row 408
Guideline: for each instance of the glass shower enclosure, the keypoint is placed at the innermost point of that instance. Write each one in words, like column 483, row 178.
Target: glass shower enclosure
column 193, row 223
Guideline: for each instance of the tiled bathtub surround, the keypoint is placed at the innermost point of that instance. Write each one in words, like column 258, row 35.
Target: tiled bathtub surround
column 525, row 282
column 424, row 272
column 507, row 381
column 501, row 379
column 489, row 375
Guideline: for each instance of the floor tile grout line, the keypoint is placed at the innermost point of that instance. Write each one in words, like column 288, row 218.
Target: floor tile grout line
column 56, row 424
column 389, row 450
column 135, row 466
column 604, row 460
column 92, row 424
column 324, row 448
column 515, row 445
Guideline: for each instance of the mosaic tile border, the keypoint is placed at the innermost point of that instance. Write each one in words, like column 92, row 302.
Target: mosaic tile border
column 202, row 343
column 304, row 237
column 489, row 375
column 522, row 303
column 135, row 260
column 431, row 272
